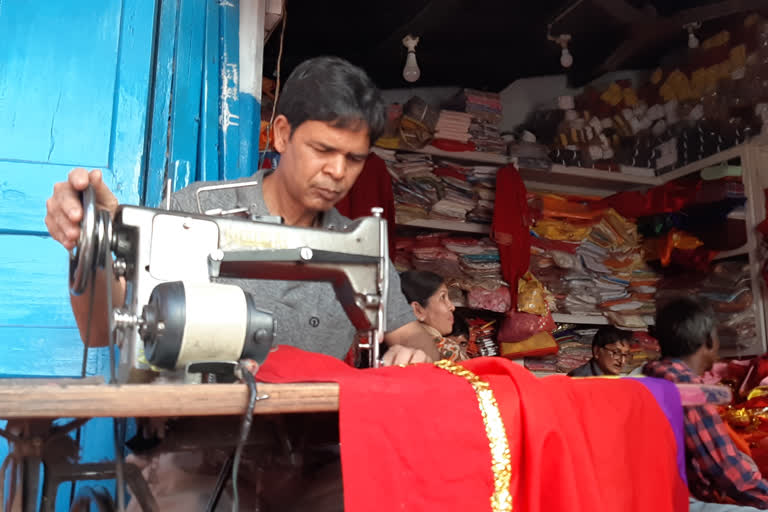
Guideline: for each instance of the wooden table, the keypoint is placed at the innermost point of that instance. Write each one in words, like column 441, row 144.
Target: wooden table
column 71, row 398
column 31, row 405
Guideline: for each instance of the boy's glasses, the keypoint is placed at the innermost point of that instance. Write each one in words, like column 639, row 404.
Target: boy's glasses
column 618, row 355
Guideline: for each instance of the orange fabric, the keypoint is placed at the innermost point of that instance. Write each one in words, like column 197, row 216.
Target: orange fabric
column 739, row 441
column 413, row 438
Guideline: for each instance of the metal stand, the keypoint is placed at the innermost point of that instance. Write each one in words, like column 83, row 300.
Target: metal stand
column 36, row 442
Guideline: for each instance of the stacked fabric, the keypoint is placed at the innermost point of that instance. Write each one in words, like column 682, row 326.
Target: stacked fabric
column 453, row 126
column 487, row 137
column 594, row 267
column 485, row 111
column 726, row 289
column 483, row 106
column 471, row 267
column 575, row 349
column 427, row 189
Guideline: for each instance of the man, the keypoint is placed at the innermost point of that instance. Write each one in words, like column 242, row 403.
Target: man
column 610, row 350
column 329, row 114
column 717, row 469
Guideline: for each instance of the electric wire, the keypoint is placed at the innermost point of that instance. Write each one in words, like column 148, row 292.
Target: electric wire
column 84, row 372
column 284, row 20
column 116, row 423
column 245, row 430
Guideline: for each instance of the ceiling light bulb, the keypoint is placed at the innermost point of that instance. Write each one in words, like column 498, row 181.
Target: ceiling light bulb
column 411, row 71
column 693, row 41
column 566, row 59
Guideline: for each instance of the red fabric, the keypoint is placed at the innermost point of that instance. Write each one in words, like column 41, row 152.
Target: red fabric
column 510, row 229
column 670, row 197
column 449, row 172
column 413, row 438
column 453, row 145
column 372, row 188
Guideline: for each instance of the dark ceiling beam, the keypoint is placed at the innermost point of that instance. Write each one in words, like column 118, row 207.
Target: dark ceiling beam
column 403, row 28
column 647, row 34
column 624, row 12
column 718, row 10
column 423, row 18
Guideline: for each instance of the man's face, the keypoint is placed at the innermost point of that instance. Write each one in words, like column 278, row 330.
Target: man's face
column 713, row 354
column 611, row 358
column 320, row 162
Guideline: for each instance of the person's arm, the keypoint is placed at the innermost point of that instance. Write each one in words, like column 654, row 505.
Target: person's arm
column 728, row 469
column 413, row 335
column 63, row 216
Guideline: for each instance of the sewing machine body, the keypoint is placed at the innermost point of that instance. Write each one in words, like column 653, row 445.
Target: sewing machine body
column 152, row 247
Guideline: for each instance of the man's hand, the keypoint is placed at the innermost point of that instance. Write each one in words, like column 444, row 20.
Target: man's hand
column 65, row 210
column 399, row 355
column 63, row 216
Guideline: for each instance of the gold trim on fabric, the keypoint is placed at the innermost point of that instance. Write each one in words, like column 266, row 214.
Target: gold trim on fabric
column 501, row 500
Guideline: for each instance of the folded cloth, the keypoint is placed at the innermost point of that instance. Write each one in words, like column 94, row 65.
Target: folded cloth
column 415, row 439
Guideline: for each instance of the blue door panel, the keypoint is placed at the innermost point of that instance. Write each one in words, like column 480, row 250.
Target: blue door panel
column 45, row 351
column 74, row 92
column 58, row 80
column 24, row 188
column 33, row 277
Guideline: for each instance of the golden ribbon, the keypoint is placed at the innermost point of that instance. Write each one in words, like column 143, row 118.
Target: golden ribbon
column 501, row 500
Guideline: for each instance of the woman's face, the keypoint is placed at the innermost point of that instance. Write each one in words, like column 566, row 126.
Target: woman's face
column 439, row 311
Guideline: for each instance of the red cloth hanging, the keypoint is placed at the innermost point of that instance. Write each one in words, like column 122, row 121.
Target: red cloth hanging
column 413, row 438
column 372, row 188
column 511, row 226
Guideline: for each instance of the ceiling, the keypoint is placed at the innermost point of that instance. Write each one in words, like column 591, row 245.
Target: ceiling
column 487, row 44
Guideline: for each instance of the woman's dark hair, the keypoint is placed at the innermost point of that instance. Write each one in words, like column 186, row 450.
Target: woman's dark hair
column 420, row 285
column 682, row 327
column 332, row 90
column 608, row 335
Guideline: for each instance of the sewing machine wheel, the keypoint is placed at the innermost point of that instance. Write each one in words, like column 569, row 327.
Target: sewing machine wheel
column 84, row 258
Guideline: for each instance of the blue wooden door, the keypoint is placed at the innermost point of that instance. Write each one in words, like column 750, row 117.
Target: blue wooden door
column 141, row 89
column 74, row 91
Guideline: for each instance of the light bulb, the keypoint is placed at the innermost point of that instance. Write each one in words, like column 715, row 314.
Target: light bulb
column 566, row 59
column 693, row 41
column 411, row 71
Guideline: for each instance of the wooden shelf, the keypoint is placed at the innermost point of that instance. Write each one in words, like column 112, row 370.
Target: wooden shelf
column 565, row 318
column 586, row 178
column 739, row 251
column 715, row 159
column 448, row 225
column 477, row 157
column 738, row 214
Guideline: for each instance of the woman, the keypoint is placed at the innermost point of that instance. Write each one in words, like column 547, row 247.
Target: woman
column 428, row 296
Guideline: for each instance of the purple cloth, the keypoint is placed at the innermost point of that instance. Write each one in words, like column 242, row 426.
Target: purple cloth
column 668, row 398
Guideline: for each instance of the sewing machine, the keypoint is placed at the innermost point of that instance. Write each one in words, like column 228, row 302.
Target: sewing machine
column 178, row 321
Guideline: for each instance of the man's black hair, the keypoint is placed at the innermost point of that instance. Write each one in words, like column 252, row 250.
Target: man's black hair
column 419, row 285
column 607, row 335
column 332, row 90
column 682, row 327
